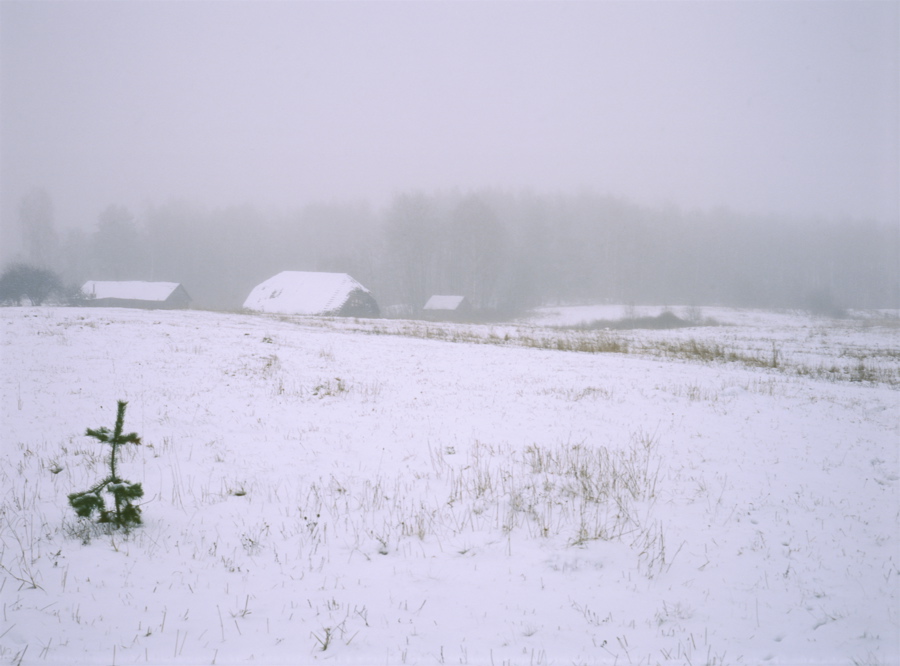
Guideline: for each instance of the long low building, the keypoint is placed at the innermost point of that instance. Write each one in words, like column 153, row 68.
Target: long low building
column 135, row 294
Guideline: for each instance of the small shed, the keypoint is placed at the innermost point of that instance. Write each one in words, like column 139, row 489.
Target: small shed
column 312, row 293
column 447, row 307
column 448, row 304
column 135, row 294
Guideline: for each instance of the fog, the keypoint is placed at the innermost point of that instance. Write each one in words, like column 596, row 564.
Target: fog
column 764, row 113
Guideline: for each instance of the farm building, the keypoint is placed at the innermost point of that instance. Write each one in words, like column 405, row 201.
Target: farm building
column 447, row 307
column 135, row 294
column 308, row 293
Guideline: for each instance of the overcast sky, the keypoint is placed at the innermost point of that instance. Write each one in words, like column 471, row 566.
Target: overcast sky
column 760, row 106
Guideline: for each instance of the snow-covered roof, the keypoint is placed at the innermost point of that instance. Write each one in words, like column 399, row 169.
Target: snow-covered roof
column 133, row 290
column 438, row 302
column 301, row 292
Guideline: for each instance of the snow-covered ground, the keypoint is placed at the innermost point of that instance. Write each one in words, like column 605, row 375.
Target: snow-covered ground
column 352, row 491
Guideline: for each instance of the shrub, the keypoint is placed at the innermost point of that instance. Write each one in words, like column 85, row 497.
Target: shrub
column 665, row 320
column 823, row 303
column 21, row 281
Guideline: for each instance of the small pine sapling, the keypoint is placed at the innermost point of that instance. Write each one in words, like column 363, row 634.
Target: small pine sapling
column 124, row 492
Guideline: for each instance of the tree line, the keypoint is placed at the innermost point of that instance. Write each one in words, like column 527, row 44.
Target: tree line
column 504, row 251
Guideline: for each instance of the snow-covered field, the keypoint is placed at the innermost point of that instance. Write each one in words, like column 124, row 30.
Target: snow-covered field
column 389, row 492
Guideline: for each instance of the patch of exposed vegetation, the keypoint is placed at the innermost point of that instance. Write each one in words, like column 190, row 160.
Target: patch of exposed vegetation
column 663, row 321
column 594, row 338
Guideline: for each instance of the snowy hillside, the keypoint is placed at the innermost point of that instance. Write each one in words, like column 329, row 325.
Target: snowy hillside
column 352, row 491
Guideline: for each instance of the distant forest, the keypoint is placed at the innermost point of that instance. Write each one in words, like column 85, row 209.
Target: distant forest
column 506, row 252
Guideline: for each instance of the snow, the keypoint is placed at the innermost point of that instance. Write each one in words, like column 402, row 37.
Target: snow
column 304, row 293
column 354, row 492
column 438, row 302
column 130, row 290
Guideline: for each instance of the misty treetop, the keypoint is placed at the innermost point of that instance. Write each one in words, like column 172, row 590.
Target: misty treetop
column 503, row 251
